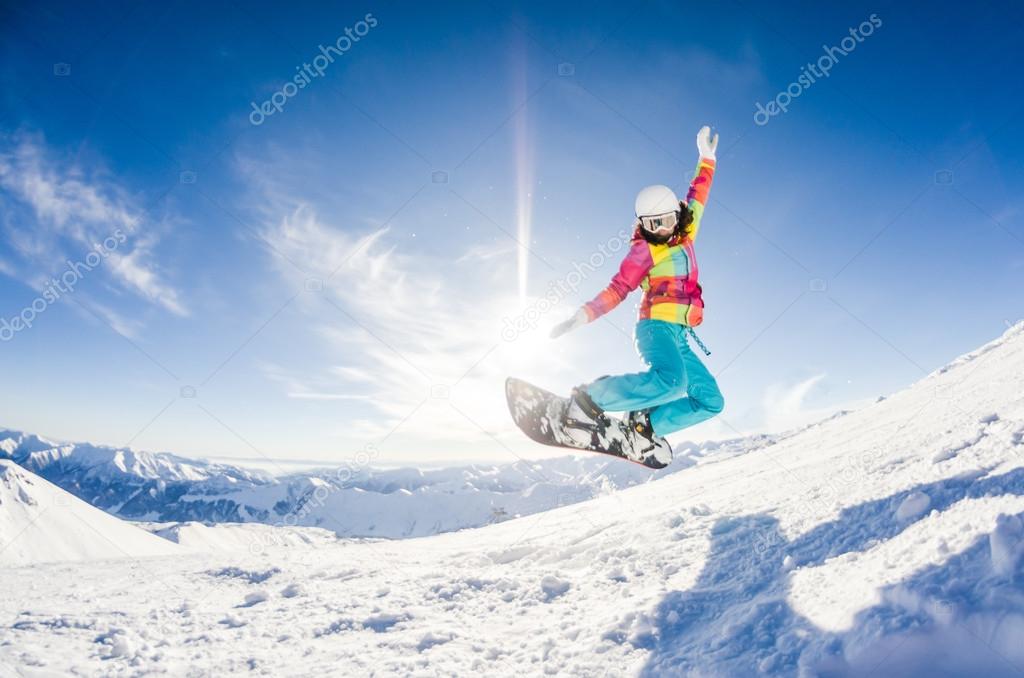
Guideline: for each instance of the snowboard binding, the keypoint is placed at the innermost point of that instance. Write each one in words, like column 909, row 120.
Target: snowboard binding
column 579, row 423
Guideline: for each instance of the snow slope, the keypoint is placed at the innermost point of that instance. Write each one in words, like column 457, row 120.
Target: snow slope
column 40, row 522
column 349, row 500
column 245, row 537
column 887, row 542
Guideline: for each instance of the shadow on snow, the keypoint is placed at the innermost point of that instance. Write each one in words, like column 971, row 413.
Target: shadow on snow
column 957, row 618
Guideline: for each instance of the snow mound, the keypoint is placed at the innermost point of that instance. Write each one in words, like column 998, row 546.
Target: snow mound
column 913, row 506
column 40, row 523
column 253, row 538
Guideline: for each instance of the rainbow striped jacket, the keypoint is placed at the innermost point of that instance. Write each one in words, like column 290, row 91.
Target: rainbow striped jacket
column 667, row 273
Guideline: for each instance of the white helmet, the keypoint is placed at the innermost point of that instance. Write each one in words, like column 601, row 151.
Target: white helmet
column 657, row 209
column 655, row 200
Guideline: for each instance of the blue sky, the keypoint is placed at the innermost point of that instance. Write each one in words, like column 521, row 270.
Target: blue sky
column 332, row 283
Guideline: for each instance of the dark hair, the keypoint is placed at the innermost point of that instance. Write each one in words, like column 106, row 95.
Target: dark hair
column 684, row 219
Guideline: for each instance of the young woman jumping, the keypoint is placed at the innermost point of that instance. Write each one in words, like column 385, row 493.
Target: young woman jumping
column 677, row 390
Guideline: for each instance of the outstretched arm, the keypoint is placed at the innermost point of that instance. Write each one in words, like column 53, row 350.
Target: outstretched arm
column 632, row 270
column 636, row 264
column 700, row 186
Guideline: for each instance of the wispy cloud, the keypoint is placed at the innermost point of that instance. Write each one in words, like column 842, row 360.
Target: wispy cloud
column 328, row 396
column 63, row 211
column 489, row 251
column 138, row 274
column 786, row 405
column 419, row 343
column 124, row 326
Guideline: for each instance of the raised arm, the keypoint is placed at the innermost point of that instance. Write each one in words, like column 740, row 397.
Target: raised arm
column 700, row 186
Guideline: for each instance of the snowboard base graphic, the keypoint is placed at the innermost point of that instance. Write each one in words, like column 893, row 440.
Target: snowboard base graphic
column 541, row 416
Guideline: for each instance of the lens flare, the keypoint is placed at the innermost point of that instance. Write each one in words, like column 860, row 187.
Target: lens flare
column 524, row 179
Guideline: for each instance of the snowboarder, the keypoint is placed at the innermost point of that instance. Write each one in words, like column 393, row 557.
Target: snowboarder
column 677, row 390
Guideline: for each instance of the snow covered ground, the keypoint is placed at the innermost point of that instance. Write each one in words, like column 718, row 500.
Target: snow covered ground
column 245, row 537
column 885, row 542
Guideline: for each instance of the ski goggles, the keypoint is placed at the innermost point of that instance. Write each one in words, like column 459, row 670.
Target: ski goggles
column 660, row 224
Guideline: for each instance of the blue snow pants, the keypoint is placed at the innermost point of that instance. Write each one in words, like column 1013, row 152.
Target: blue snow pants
column 677, row 387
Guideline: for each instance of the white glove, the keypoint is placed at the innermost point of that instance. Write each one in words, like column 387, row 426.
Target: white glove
column 578, row 319
column 706, row 145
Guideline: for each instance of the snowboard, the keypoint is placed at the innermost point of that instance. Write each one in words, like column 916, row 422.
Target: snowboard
column 541, row 416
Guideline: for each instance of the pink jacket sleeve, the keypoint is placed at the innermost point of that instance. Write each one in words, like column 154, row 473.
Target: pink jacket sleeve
column 635, row 266
column 697, row 196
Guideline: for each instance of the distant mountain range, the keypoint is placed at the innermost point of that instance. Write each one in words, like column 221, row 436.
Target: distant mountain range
column 395, row 503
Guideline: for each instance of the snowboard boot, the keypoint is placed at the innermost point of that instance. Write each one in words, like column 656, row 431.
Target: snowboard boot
column 640, row 424
column 583, row 417
column 645, row 441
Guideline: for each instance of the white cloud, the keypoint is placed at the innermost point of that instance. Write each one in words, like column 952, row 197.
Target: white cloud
column 57, row 193
column 137, row 274
column 785, row 405
column 126, row 327
column 422, row 345
column 66, row 213
column 489, row 251
column 351, row 373
column 327, row 396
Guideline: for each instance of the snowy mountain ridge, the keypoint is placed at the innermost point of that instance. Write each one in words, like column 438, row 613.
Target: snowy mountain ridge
column 402, row 502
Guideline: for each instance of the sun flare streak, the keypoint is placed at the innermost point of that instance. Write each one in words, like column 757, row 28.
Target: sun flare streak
column 524, row 184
